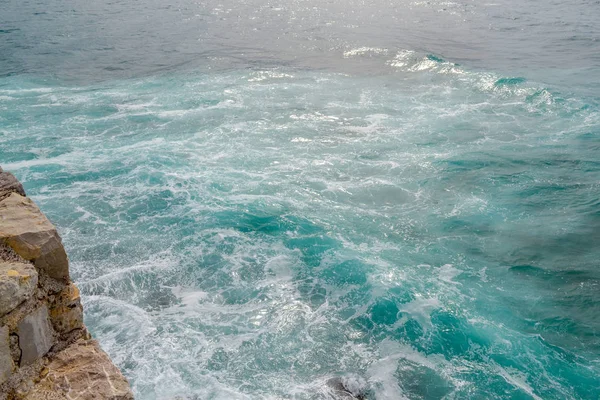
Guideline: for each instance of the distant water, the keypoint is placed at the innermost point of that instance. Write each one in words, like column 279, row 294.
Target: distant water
column 258, row 197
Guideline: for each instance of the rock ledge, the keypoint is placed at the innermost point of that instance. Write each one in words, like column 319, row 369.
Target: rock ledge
column 46, row 352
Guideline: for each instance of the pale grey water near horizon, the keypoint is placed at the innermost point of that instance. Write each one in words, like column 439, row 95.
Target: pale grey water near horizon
column 557, row 41
column 261, row 197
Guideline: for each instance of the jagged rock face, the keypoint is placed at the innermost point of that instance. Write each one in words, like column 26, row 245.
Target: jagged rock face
column 28, row 232
column 66, row 312
column 6, row 362
column 45, row 351
column 35, row 336
column 82, row 371
column 9, row 184
column 18, row 281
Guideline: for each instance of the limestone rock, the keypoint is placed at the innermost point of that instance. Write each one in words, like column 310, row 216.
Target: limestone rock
column 9, row 184
column 8, row 254
column 66, row 312
column 15, row 351
column 46, row 352
column 6, row 362
column 35, row 335
column 17, row 283
column 28, row 232
column 82, row 371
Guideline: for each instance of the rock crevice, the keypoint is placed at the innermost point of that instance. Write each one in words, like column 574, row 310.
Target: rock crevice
column 46, row 351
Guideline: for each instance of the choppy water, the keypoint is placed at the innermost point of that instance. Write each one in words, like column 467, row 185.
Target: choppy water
column 258, row 197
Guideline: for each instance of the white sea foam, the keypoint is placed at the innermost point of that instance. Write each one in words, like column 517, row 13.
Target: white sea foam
column 518, row 381
column 421, row 308
column 361, row 51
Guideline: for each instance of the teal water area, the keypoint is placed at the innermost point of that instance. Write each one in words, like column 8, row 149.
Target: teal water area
column 428, row 234
column 260, row 199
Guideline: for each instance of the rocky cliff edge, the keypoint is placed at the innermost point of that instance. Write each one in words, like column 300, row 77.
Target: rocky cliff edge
column 45, row 350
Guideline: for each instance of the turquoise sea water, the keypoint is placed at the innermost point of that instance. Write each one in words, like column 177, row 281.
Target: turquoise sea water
column 258, row 198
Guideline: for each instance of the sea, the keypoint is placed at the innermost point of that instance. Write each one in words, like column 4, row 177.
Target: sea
column 320, row 199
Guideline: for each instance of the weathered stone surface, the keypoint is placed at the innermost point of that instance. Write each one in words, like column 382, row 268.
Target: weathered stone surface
column 28, row 232
column 17, row 283
column 15, row 350
column 45, row 349
column 82, row 371
column 35, row 335
column 7, row 254
column 6, row 362
column 9, row 184
column 66, row 312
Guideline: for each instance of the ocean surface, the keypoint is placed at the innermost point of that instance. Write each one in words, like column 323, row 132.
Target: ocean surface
column 261, row 198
